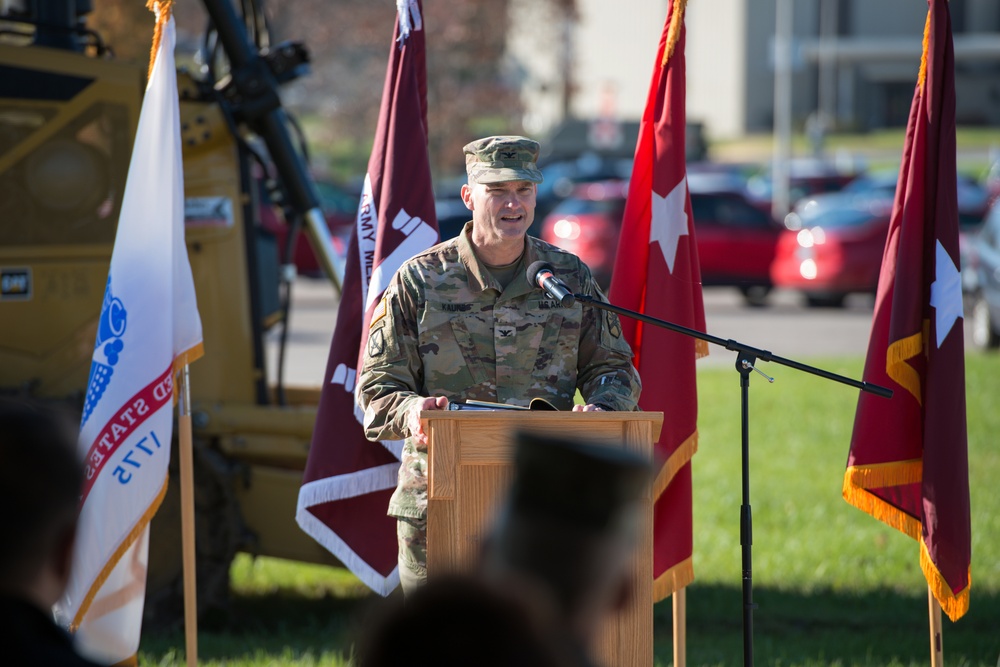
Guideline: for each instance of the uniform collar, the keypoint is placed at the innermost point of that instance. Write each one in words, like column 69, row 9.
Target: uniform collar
column 479, row 276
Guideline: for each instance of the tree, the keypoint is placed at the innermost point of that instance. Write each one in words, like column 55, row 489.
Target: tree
column 469, row 92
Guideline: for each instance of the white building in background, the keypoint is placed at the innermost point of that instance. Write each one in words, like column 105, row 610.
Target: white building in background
column 614, row 46
column 854, row 60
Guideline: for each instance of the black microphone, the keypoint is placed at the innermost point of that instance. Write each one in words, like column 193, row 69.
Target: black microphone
column 543, row 275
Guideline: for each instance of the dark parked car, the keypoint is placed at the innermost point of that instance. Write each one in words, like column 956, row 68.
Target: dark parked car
column 807, row 176
column 562, row 177
column 452, row 214
column 985, row 316
column 736, row 240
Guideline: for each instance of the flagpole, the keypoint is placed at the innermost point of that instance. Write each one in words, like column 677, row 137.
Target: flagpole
column 187, row 520
column 934, row 613
column 680, row 627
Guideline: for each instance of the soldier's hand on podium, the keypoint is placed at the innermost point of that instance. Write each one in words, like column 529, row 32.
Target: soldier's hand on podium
column 413, row 418
column 589, row 407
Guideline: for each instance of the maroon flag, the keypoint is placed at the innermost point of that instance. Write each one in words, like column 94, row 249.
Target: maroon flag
column 348, row 480
column 656, row 273
column 908, row 463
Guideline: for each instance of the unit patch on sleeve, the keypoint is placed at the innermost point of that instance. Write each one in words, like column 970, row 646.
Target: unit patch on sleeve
column 614, row 324
column 376, row 343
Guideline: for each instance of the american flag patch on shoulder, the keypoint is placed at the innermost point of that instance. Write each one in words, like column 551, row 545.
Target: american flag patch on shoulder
column 378, row 313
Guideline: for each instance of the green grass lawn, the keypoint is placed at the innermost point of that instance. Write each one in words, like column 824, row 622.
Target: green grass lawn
column 835, row 587
column 879, row 149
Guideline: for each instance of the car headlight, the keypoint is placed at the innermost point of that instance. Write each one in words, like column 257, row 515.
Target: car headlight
column 566, row 229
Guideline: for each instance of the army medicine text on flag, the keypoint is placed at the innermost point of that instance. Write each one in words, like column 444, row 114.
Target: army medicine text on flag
column 348, row 480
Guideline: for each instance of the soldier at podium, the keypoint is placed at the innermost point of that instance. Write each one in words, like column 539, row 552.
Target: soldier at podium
column 463, row 321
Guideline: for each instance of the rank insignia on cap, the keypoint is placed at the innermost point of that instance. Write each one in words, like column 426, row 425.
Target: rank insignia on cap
column 614, row 325
column 378, row 313
column 376, row 343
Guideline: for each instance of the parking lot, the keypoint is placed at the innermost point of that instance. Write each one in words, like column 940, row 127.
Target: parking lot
column 785, row 327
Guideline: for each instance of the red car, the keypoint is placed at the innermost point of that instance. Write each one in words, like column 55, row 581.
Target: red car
column 834, row 243
column 736, row 243
column 587, row 223
column 835, row 248
column 736, row 240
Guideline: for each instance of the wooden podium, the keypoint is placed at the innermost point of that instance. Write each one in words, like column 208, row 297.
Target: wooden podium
column 469, row 460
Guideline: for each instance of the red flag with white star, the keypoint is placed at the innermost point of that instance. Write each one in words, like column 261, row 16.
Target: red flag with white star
column 908, row 463
column 656, row 273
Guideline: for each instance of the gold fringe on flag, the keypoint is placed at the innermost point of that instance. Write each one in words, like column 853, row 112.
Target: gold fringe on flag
column 858, row 479
column 681, row 574
column 673, row 464
column 674, row 31
column 163, row 10
column 895, row 473
column 953, row 605
column 674, row 579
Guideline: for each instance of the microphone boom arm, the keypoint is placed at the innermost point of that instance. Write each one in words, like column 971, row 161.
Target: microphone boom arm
column 746, row 358
column 752, row 353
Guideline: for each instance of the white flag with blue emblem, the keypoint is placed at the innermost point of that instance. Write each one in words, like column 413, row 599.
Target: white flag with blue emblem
column 149, row 328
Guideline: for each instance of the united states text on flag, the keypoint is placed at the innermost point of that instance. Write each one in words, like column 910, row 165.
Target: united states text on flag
column 148, row 329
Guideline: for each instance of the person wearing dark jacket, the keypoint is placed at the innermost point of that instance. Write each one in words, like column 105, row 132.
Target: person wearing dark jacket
column 41, row 478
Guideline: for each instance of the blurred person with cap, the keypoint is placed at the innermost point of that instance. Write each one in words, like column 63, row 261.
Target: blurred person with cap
column 554, row 567
column 462, row 321
column 458, row 620
column 41, row 478
column 566, row 536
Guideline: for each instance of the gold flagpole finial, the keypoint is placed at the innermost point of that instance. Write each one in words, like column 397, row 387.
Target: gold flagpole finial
column 163, row 10
column 922, row 77
column 674, row 31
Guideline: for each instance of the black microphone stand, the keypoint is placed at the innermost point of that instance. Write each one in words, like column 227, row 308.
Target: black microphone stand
column 746, row 357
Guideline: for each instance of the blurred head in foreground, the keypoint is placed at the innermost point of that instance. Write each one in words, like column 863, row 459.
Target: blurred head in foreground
column 455, row 620
column 41, row 478
column 557, row 562
column 40, row 483
column 569, row 528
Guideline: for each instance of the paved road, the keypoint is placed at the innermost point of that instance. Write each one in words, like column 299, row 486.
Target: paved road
column 785, row 327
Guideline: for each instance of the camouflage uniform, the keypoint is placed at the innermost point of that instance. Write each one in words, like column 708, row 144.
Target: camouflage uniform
column 445, row 327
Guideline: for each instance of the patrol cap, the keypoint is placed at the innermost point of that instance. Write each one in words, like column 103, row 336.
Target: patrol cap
column 502, row 158
column 582, row 484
